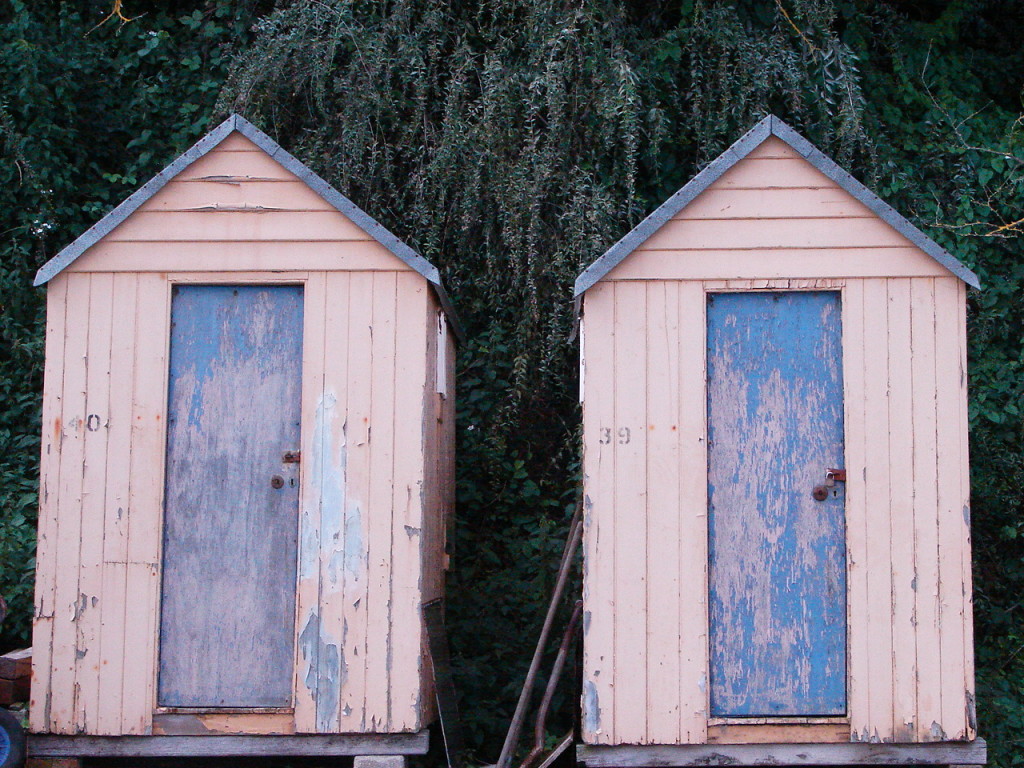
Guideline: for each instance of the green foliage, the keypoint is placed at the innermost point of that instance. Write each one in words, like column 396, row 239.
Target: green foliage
column 511, row 142
column 84, row 119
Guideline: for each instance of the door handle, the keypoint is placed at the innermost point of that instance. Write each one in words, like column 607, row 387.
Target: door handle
column 820, row 492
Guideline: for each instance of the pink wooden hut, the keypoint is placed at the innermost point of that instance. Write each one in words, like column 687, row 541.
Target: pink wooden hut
column 247, row 469
column 777, row 538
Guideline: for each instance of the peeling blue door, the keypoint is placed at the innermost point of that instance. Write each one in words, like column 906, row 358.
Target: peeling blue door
column 777, row 555
column 231, row 502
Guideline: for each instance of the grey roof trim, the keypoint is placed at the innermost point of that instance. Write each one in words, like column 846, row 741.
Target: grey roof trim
column 238, row 123
column 769, row 126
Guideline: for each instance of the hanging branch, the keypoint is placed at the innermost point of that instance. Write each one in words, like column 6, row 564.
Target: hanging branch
column 116, row 12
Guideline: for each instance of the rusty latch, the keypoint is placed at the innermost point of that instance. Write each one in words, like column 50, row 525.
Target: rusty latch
column 832, row 475
column 294, row 457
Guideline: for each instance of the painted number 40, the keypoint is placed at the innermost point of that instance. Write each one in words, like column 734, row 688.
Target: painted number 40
column 622, row 434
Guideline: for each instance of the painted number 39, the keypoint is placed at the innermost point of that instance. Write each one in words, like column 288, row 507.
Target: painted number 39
column 622, row 434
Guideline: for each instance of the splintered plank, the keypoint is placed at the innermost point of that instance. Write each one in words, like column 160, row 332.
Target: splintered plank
column 901, row 510
column 965, row 491
column 211, row 196
column 926, row 587
column 628, row 435
column 663, row 533
column 598, row 345
column 49, row 482
column 96, row 439
column 380, row 556
column 339, row 679
column 318, row 409
column 692, row 553
column 67, row 601
column 405, row 710
column 854, row 351
column 144, row 504
column 876, row 420
column 116, row 512
column 952, row 599
column 357, row 511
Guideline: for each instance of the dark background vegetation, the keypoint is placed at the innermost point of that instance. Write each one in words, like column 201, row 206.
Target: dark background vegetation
column 511, row 142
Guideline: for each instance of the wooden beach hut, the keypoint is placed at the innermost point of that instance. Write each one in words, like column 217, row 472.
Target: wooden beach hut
column 247, row 469
column 777, row 530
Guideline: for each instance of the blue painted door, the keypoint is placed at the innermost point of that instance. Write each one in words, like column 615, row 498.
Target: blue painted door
column 231, row 501
column 777, row 555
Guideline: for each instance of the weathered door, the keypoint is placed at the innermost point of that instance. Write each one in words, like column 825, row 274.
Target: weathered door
column 777, row 555
column 231, row 503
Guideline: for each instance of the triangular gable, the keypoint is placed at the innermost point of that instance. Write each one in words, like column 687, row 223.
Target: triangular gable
column 768, row 127
column 204, row 146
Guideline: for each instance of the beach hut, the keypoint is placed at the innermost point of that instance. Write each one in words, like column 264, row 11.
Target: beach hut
column 247, row 470
column 777, row 530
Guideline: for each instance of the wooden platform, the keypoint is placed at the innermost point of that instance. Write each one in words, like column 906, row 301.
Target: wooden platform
column 665, row 756
column 47, row 746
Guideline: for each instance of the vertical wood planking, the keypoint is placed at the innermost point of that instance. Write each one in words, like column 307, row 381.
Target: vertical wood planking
column 357, row 510
column 876, row 420
column 950, row 508
column 778, row 581
column 926, row 593
column 692, row 481
column 857, row 537
column 629, row 437
column 47, row 556
column 144, row 504
column 115, row 524
column 315, row 411
column 434, row 458
column 379, row 642
column 965, row 494
column 342, row 571
column 598, row 515
column 662, row 561
column 405, row 656
column 901, row 510
column 234, row 409
column 66, row 601
column 95, row 437
column 447, row 446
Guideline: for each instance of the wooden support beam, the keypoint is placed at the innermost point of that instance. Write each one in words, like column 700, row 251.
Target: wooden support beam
column 40, row 746
column 849, row 754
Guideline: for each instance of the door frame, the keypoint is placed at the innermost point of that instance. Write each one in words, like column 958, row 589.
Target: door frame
column 172, row 279
column 790, row 285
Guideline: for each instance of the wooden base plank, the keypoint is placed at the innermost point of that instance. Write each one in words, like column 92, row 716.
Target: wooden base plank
column 41, row 746
column 670, row 756
column 16, row 664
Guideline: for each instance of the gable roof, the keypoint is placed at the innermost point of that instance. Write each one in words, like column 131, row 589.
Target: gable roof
column 359, row 217
column 769, row 126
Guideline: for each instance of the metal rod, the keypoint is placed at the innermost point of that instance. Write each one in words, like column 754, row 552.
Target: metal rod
column 575, row 532
column 556, row 674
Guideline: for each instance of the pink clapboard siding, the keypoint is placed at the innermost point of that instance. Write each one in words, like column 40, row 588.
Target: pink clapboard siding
column 374, row 490
column 774, row 222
